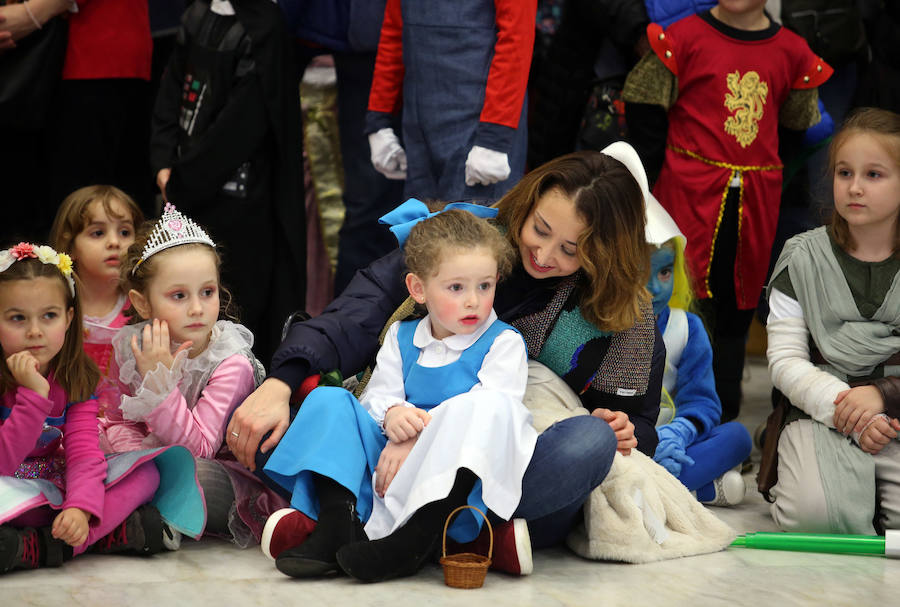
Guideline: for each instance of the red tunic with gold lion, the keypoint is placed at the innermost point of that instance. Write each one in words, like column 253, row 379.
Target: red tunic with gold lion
column 725, row 99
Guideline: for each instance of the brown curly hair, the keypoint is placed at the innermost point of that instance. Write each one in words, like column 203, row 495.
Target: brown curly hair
column 72, row 215
column 431, row 240
column 612, row 251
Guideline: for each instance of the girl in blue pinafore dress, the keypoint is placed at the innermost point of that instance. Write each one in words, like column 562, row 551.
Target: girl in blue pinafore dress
column 440, row 424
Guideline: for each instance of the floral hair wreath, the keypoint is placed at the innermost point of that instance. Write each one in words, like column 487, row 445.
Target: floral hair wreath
column 44, row 253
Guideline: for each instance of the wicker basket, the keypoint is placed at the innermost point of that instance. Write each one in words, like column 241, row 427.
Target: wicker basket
column 466, row 569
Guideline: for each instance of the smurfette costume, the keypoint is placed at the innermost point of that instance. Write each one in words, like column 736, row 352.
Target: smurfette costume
column 693, row 445
column 472, row 385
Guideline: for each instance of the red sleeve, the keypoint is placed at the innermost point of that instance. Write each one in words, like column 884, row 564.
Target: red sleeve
column 85, row 464
column 387, row 80
column 20, row 431
column 508, row 76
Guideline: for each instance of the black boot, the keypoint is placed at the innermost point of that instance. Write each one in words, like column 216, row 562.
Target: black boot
column 338, row 524
column 30, row 548
column 141, row 534
column 407, row 549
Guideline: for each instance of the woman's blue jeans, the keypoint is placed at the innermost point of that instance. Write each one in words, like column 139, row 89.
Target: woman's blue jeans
column 571, row 458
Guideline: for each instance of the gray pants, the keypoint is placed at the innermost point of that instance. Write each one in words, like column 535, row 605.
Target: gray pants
column 800, row 495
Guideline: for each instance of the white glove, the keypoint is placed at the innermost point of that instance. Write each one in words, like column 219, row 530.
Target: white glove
column 486, row 166
column 388, row 156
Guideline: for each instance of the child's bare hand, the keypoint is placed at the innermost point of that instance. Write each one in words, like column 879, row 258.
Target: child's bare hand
column 403, row 423
column 155, row 347
column 621, row 425
column 162, row 179
column 392, row 457
column 880, row 431
column 71, row 526
column 855, row 407
column 25, row 369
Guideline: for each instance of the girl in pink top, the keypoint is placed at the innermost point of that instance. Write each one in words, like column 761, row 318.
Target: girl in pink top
column 183, row 370
column 95, row 226
column 52, row 470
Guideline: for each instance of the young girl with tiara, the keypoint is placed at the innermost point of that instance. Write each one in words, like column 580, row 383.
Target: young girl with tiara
column 58, row 494
column 184, row 368
column 95, row 225
column 440, row 423
column 834, row 336
column 693, row 446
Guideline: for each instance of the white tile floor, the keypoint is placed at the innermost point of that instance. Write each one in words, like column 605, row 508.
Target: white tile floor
column 215, row 573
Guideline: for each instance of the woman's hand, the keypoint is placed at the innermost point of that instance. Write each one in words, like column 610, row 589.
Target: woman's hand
column 855, row 407
column 155, row 347
column 25, row 369
column 392, row 457
column 878, row 433
column 266, row 409
column 621, row 425
column 403, row 423
column 71, row 526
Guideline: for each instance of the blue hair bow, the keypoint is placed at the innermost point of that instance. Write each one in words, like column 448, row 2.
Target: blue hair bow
column 403, row 218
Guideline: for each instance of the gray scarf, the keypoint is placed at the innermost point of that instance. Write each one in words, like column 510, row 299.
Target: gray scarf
column 853, row 344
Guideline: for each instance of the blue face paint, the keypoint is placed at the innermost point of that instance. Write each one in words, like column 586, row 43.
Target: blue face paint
column 661, row 280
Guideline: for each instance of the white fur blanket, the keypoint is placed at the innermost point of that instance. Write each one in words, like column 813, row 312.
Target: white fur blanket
column 640, row 513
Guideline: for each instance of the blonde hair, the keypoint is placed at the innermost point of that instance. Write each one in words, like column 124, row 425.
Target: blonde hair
column 432, row 239
column 72, row 216
column 682, row 294
column 884, row 126
column 612, row 251
column 136, row 274
column 72, row 368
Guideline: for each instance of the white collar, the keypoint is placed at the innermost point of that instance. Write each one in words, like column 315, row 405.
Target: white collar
column 423, row 337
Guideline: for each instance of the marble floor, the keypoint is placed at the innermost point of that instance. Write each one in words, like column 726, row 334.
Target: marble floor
column 214, row 573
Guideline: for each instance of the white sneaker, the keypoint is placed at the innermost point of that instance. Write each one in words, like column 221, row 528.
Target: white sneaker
column 171, row 538
column 730, row 490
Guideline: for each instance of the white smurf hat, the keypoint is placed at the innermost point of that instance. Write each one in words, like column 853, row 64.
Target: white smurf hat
column 660, row 225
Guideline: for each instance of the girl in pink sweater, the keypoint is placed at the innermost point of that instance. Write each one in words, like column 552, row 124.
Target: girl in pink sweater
column 184, row 369
column 56, row 499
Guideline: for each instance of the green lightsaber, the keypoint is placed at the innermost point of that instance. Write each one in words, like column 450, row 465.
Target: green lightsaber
column 886, row 545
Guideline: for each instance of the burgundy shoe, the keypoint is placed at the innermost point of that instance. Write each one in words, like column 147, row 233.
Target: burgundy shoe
column 512, row 547
column 284, row 529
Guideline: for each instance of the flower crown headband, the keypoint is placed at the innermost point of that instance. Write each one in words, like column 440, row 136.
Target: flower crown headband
column 171, row 230
column 43, row 253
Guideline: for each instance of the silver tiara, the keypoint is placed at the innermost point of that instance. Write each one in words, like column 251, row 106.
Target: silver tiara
column 171, row 230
